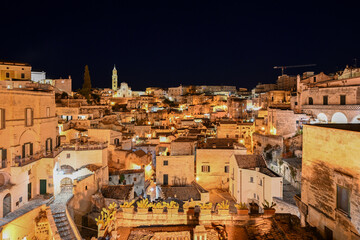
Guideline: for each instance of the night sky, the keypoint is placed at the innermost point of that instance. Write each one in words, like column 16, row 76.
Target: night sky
column 180, row 42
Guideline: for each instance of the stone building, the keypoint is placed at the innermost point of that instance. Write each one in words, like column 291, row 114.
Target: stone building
column 284, row 122
column 330, row 185
column 124, row 91
column 212, row 162
column 168, row 170
column 14, row 70
column 28, row 146
column 328, row 98
column 135, row 177
column 252, row 181
column 286, row 82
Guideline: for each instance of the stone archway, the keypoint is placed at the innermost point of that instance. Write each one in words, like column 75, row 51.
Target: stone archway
column 339, row 117
column 356, row 119
column 322, row 118
column 66, row 184
column 6, row 204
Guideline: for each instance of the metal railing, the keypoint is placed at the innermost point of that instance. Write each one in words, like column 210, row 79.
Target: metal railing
column 19, row 161
column 84, row 146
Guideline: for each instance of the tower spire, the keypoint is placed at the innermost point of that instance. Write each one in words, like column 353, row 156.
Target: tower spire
column 114, row 79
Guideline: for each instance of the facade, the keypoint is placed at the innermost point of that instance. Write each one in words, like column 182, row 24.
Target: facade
column 284, row 122
column 330, row 180
column 28, row 146
column 332, row 99
column 124, row 91
column 286, row 82
column 252, row 181
column 330, row 185
column 212, row 162
column 14, row 70
column 38, row 76
column 168, row 170
column 175, row 92
column 135, row 177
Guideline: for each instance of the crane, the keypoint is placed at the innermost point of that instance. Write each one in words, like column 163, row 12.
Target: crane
column 293, row 66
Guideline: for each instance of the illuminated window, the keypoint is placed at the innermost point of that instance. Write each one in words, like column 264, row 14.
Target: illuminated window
column 29, row 117
column 343, row 199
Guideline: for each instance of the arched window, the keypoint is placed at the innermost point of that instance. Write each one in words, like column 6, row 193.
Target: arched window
column 311, row 101
column 6, row 204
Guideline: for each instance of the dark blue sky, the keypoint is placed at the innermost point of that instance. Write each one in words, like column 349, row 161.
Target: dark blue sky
column 173, row 42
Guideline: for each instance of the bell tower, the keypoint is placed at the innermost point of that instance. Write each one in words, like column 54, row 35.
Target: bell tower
column 114, row 79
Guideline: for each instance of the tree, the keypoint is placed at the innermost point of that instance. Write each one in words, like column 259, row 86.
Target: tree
column 86, row 89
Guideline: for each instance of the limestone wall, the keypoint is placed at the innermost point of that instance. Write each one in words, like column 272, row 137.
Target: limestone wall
column 330, row 159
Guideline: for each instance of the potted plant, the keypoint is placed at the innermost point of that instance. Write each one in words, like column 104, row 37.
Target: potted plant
column 269, row 208
column 143, row 206
column 206, row 208
column 128, row 207
column 172, row 207
column 106, row 221
column 242, row 209
column 158, row 208
column 223, row 208
column 189, row 204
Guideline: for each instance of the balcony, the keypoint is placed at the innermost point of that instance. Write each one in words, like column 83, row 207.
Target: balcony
column 19, row 161
column 84, row 146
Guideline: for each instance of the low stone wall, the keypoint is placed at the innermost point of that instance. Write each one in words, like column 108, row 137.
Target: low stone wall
column 284, row 207
column 137, row 219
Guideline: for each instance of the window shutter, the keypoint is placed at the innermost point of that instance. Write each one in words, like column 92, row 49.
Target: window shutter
column 4, row 152
column 32, row 117
column 23, row 150
column 31, row 149
column 4, row 157
column 2, row 118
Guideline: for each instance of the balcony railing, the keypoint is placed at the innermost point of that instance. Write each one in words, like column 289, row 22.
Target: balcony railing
column 331, row 107
column 84, row 146
column 19, row 161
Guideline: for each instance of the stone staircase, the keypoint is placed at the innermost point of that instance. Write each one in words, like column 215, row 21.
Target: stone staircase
column 58, row 212
column 63, row 226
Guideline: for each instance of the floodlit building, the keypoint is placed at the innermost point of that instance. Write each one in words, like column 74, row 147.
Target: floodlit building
column 14, row 70
column 28, row 146
column 212, row 162
column 252, row 181
column 332, row 99
column 330, row 184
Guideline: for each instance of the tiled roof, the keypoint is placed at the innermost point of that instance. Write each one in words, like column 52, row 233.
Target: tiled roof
column 183, row 193
column 250, row 161
column 140, row 153
column 117, row 191
column 113, row 171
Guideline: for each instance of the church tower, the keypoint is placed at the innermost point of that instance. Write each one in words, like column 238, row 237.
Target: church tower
column 114, row 79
